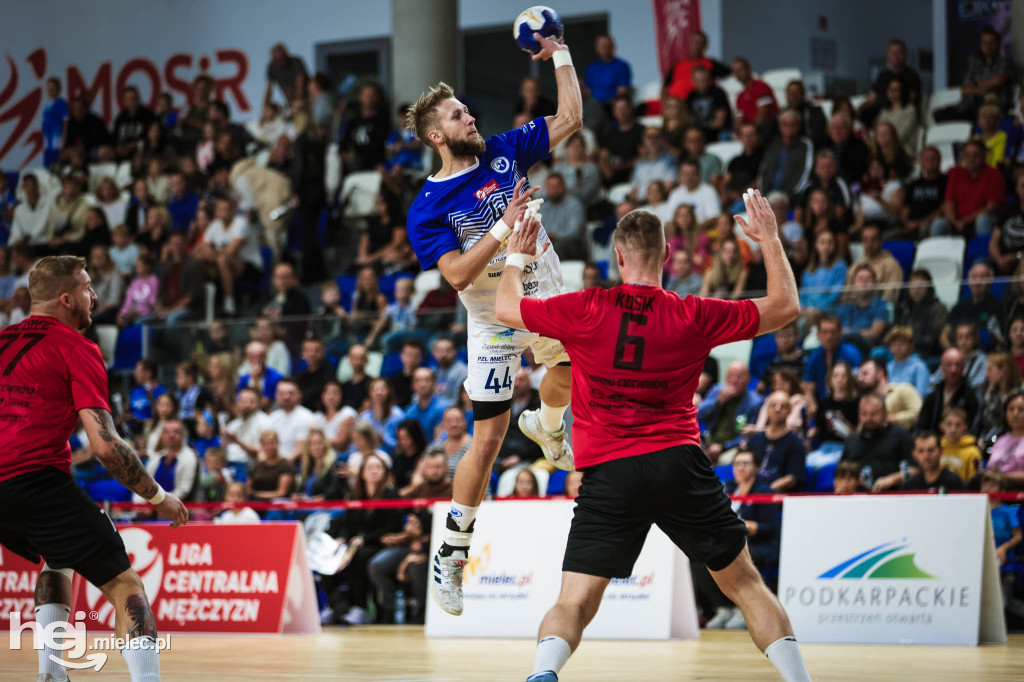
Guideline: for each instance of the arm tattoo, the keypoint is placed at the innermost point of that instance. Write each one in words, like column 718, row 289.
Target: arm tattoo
column 125, row 466
column 140, row 617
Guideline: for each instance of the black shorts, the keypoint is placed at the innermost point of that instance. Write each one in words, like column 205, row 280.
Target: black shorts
column 46, row 514
column 674, row 488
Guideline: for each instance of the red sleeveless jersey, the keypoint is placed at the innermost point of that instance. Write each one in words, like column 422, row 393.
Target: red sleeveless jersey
column 637, row 353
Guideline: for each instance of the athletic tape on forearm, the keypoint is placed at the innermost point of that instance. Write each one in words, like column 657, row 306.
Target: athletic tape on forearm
column 517, row 260
column 500, row 231
column 561, row 58
column 160, row 495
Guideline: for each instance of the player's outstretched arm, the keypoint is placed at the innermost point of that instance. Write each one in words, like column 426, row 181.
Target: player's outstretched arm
column 122, row 462
column 569, row 116
column 782, row 304
column 461, row 269
column 522, row 249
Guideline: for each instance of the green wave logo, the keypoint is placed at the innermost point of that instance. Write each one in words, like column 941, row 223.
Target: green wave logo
column 502, row 336
column 891, row 560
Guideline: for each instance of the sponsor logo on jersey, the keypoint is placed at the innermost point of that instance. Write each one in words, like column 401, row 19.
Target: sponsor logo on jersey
column 500, row 165
column 503, row 336
column 486, row 190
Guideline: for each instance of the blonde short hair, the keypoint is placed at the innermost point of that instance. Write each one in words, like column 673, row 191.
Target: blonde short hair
column 422, row 117
column 53, row 276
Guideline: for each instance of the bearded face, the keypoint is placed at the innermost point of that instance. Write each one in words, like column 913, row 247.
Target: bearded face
column 473, row 145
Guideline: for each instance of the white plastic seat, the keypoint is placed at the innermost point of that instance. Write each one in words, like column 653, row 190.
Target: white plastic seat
column 572, row 274
column 617, row 193
column 943, row 258
column 649, row 92
column 738, row 350
column 425, row 282
column 941, row 99
column 107, row 335
column 725, row 151
column 955, row 131
column 780, row 78
column 359, row 193
column 374, row 360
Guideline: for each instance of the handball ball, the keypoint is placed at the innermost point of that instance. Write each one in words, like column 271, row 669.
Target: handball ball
column 539, row 19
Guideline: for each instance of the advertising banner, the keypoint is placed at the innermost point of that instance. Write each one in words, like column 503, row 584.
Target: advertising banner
column 674, row 22
column 515, row 571
column 17, row 587
column 899, row 569
column 216, row 579
column 964, row 21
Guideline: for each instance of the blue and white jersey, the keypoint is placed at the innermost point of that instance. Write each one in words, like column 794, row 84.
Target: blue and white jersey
column 455, row 212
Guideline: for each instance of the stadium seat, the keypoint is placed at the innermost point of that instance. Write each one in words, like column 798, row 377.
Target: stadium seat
column 386, row 283
column 347, row 287
column 947, row 155
column 777, row 79
column 359, row 194
column 827, row 106
column 209, row 301
column 425, row 282
column 857, row 100
column 107, row 335
column 940, row 99
column 374, row 361
column 649, row 92
column 725, row 151
column 738, row 350
column 128, row 350
column 267, row 256
column 724, row 473
column 98, row 171
column 652, row 121
column 956, row 131
column 556, row 482
column 572, row 274
column 903, row 252
column 732, row 88
column 761, row 354
column 616, row 193
column 856, row 251
column 108, row 489
column 823, row 477
column 976, row 248
column 391, row 365
column 942, row 257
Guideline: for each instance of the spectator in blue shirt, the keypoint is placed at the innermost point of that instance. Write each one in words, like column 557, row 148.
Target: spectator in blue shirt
column 1005, row 520
column 780, row 451
column 906, row 367
column 264, row 379
column 182, row 204
column 146, row 390
column 54, row 115
column 726, row 409
column 833, row 348
column 867, row 315
column 426, row 408
column 821, row 285
column 608, row 76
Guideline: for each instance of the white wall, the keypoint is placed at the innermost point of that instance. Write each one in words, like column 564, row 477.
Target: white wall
column 778, row 34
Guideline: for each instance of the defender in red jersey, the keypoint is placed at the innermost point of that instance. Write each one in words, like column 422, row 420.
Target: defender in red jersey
column 637, row 352
column 50, row 378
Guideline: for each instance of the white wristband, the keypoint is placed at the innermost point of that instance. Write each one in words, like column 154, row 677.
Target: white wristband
column 500, row 231
column 517, row 260
column 160, row 495
column 561, row 58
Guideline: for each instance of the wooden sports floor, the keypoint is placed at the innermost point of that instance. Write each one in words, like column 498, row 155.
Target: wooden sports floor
column 403, row 654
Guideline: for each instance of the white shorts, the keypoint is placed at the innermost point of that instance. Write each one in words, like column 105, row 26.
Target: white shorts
column 495, row 350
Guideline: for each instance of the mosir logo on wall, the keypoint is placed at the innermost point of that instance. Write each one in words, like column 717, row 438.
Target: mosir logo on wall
column 22, row 93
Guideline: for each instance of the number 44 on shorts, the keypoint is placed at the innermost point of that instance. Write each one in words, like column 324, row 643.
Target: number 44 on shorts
column 492, row 381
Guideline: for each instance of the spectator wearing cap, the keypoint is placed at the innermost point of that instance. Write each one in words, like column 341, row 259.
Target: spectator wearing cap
column 788, row 159
column 756, row 102
column 906, row 367
column 886, row 268
column 608, row 75
column 902, row 401
column 954, row 391
column 975, row 194
column 32, row 223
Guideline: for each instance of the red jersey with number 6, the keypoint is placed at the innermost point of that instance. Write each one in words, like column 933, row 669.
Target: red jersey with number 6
column 637, row 353
column 48, row 372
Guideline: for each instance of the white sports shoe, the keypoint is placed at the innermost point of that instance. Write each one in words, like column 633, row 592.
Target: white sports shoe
column 48, row 677
column 446, row 587
column 555, row 445
column 722, row 616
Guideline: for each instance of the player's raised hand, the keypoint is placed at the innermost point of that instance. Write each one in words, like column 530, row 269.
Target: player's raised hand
column 524, row 240
column 548, row 47
column 760, row 223
column 172, row 508
column 517, row 207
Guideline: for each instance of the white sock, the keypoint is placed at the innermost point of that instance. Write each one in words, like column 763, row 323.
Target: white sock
column 45, row 615
column 551, row 417
column 229, row 305
column 463, row 517
column 785, row 656
column 552, row 653
column 143, row 660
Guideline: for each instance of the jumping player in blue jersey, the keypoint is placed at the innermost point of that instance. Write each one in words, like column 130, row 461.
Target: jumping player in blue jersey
column 461, row 222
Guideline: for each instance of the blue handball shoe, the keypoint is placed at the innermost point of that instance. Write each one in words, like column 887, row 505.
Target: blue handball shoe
column 543, row 677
